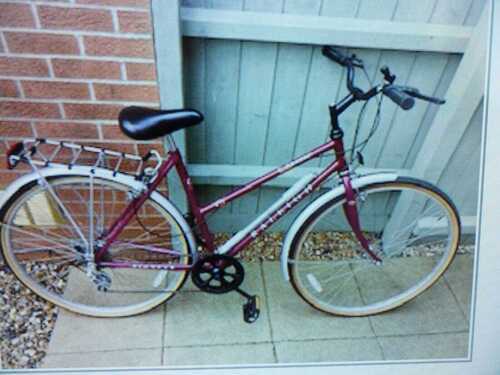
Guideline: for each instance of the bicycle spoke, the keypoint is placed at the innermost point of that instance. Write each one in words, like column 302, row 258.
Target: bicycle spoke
column 37, row 236
column 332, row 270
column 66, row 213
column 49, row 255
column 91, row 213
column 101, row 205
column 151, row 248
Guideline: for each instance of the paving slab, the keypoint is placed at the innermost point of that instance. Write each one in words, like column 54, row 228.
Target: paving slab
column 203, row 329
column 120, row 358
column 220, row 355
column 396, row 275
column 209, row 319
column 434, row 311
column 459, row 278
column 80, row 289
column 76, row 333
column 338, row 350
column 444, row 345
column 294, row 319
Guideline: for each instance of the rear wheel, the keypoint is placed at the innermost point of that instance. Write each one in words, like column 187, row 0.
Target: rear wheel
column 411, row 225
column 50, row 234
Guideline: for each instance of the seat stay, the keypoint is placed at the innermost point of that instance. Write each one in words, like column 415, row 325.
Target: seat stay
column 126, row 216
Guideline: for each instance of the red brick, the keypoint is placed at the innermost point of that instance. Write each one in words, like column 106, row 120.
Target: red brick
column 113, row 132
column 109, row 46
column 141, row 72
column 14, row 66
column 15, row 129
column 6, row 177
column 91, row 111
column 8, row 88
column 134, row 22
column 67, row 130
column 16, row 15
column 86, row 69
column 75, row 18
column 3, row 148
column 140, row 93
column 124, row 3
column 55, row 90
column 143, row 148
column 29, row 109
column 20, row 42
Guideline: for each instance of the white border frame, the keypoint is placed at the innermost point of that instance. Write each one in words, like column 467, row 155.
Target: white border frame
column 484, row 356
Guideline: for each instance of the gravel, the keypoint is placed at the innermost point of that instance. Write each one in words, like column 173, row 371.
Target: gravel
column 27, row 321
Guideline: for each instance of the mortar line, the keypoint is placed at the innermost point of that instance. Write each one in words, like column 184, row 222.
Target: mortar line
column 163, row 332
column 446, row 282
column 80, row 5
column 379, row 344
column 358, row 287
column 264, row 342
column 119, row 81
column 266, row 299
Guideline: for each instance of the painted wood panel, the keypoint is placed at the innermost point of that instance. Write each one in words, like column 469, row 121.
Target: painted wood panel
column 258, row 60
column 461, row 177
column 267, row 102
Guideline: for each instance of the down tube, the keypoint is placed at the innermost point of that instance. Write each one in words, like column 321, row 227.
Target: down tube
column 284, row 208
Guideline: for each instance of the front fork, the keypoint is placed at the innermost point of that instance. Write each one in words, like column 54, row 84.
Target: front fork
column 352, row 216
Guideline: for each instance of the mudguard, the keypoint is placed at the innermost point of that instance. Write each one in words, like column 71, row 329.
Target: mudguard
column 107, row 175
column 310, row 209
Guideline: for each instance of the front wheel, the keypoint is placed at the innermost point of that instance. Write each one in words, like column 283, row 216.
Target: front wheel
column 411, row 225
column 49, row 235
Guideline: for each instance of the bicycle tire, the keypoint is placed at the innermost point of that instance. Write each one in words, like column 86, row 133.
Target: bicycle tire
column 114, row 302
column 363, row 289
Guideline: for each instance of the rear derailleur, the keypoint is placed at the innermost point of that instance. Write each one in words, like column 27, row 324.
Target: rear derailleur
column 220, row 274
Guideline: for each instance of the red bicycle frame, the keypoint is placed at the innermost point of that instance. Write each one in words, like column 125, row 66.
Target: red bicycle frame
column 174, row 160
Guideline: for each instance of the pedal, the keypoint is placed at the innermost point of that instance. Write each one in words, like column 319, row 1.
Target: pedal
column 251, row 309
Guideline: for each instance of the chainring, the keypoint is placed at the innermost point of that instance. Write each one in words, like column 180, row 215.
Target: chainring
column 217, row 274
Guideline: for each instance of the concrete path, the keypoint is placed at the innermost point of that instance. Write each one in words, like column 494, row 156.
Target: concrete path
column 200, row 329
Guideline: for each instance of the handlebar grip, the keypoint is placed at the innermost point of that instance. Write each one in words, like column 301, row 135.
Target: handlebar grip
column 416, row 94
column 399, row 97
column 334, row 55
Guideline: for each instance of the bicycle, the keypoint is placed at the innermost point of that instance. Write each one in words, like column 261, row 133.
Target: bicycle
column 99, row 239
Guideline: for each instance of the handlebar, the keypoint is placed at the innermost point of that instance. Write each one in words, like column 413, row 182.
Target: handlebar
column 340, row 58
column 350, row 62
column 412, row 91
column 401, row 95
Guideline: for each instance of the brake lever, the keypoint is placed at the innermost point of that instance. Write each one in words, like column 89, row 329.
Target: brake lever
column 387, row 74
column 356, row 62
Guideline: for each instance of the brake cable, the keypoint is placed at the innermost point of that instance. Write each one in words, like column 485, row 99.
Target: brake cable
column 376, row 121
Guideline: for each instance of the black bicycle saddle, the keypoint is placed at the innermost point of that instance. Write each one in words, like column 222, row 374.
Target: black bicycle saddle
column 147, row 123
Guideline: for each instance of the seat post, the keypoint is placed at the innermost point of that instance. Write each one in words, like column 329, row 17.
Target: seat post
column 171, row 143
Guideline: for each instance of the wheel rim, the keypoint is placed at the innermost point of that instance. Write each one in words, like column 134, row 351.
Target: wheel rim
column 37, row 221
column 334, row 274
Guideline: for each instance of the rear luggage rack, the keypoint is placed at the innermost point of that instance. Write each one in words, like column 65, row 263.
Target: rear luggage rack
column 45, row 152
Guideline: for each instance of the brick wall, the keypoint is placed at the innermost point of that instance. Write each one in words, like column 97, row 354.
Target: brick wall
column 68, row 66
